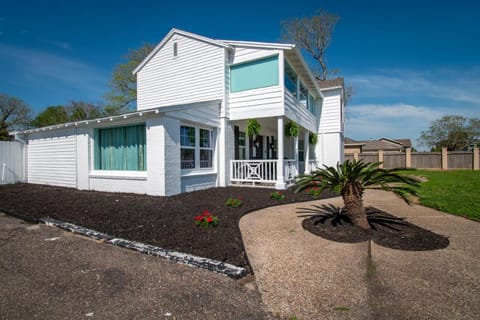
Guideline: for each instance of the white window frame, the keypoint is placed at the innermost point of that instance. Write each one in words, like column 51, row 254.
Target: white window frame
column 197, row 148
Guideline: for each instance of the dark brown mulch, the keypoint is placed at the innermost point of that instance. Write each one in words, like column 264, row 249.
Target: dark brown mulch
column 389, row 231
column 166, row 222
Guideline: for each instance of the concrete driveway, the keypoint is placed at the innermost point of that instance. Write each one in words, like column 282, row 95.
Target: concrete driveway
column 47, row 273
column 303, row 275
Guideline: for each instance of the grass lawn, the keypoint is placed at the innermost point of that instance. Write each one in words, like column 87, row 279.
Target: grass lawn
column 456, row 192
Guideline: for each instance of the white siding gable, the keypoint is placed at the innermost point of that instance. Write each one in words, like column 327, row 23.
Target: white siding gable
column 195, row 74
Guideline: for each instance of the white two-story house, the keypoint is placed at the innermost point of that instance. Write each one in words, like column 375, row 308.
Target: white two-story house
column 195, row 98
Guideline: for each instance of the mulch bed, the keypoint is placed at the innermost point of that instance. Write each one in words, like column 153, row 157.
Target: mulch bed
column 167, row 222
column 387, row 230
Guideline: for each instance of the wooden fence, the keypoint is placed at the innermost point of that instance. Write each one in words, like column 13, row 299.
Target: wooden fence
column 12, row 164
column 444, row 160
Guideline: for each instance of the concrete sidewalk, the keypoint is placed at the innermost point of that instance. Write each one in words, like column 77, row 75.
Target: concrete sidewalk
column 303, row 275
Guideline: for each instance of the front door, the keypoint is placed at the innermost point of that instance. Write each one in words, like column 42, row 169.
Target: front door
column 256, row 148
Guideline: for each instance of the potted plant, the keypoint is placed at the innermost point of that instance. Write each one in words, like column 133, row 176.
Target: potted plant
column 253, row 127
column 292, row 129
column 313, row 138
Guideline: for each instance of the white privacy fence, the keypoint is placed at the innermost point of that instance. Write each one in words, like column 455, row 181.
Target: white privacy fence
column 12, row 168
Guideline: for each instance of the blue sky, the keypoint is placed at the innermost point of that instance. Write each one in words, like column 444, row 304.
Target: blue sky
column 409, row 62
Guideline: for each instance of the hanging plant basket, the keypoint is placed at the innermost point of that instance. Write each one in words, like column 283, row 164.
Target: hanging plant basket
column 292, row 129
column 313, row 138
column 253, row 127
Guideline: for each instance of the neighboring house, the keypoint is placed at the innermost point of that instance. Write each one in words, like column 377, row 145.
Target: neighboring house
column 351, row 146
column 195, row 96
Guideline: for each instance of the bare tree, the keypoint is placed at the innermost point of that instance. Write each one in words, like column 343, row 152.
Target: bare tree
column 313, row 34
column 15, row 114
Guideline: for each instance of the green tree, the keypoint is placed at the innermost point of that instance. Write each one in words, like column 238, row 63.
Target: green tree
column 351, row 178
column 123, row 85
column 50, row 116
column 15, row 114
column 453, row 132
column 313, row 34
column 81, row 110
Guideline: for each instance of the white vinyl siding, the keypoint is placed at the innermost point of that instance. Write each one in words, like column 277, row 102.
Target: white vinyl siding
column 195, row 74
column 256, row 103
column 51, row 158
column 298, row 113
column 330, row 120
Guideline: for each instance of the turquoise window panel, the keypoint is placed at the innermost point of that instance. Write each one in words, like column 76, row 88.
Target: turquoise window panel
column 120, row 148
column 254, row 74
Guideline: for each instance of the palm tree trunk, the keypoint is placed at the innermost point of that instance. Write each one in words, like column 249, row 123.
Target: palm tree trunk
column 352, row 198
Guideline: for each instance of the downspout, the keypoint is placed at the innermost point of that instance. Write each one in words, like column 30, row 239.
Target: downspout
column 3, row 171
column 25, row 156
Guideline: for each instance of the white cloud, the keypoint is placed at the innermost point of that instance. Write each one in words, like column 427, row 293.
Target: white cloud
column 454, row 85
column 374, row 121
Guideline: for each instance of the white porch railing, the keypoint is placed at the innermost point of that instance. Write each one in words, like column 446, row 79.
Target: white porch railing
column 291, row 170
column 253, row 171
column 311, row 166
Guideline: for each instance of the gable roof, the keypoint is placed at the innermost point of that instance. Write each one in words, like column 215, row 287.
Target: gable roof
column 403, row 142
column 183, row 33
column 291, row 52
column 380, row 144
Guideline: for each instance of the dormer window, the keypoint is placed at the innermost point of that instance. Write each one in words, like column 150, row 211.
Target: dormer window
column 175, row 49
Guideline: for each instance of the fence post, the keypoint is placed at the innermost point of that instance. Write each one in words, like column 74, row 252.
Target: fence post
column 476, row 157
column 444, row 159
column 355, row 156
column 380, row 158
column 408, row 157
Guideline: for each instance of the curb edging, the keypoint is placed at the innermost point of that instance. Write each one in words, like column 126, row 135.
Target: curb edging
column 223, row 268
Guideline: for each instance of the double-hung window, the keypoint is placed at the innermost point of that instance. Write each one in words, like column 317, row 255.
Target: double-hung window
column 196, row 147
column 206, row 148
column 120, row 148
column 187, row 141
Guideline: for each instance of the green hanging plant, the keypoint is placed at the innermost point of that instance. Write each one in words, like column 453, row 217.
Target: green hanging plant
column 313, row 138
column 292, row 129
column 253, row 127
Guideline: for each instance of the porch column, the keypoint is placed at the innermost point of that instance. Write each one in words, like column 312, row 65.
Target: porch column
column 306, row 152
column 295, row 147
column 280, row 166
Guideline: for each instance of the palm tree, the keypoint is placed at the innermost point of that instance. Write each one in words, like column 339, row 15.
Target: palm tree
column 351, row 178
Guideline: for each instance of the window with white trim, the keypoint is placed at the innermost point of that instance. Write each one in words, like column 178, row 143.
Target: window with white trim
column 196, row 148
column 187, row 150
column 206, row 149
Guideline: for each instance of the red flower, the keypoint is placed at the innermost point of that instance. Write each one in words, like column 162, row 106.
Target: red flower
column 209, row 219
column 206, row 212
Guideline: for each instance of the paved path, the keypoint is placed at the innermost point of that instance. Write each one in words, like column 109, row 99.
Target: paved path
column 47, row 273
column 302, row 275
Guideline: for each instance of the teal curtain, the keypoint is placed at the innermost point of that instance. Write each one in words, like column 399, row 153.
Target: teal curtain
column 121, row 148
column 254, row 74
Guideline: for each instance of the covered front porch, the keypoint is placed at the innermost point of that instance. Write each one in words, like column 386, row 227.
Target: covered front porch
column 270, row 158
